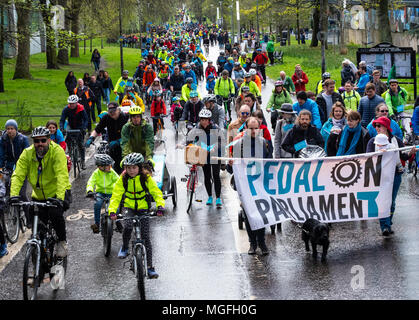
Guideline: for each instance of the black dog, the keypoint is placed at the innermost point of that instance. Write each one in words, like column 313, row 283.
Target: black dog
column 318, row 234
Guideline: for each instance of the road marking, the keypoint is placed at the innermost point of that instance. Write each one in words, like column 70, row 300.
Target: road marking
column 15, row 248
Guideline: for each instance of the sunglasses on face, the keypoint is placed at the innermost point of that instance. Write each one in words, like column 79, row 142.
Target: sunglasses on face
column 245, row 113
column 40, row 140
column 378, row 125
column 382, row 111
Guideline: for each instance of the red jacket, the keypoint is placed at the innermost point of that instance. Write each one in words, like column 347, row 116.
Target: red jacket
column 157, row 107
column 300, row 86
column 148, row 77
column 211, row 70
column 261, row 58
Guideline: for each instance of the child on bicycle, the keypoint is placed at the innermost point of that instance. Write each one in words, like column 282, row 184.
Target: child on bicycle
column 3, row 243
column 158, row 108
column 102, row 182
column 176, row 110
column 132, row 188
column 210, row 83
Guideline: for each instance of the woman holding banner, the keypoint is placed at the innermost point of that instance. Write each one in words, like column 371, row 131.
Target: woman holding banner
column 383, row 141
column 352, row 139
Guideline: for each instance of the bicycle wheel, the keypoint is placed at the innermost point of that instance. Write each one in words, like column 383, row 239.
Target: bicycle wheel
column 174, row 191
column 107, row 235
column 191, row 189
column 139, row 270
column 31, row 279
column 75, row 159
column 11, row 222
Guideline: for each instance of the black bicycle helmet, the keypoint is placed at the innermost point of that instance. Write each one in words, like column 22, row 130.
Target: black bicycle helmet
column 189, row 80
column 103, row 160
column 133, row 159
column 40, row 132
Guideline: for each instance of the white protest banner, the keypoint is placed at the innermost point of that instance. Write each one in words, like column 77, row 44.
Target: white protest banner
column 336, row 189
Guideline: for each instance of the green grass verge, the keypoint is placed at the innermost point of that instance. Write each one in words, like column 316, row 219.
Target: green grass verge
column 311, row 61
column 46, row 94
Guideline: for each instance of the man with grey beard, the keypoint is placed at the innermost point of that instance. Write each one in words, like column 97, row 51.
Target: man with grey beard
column 44, row 164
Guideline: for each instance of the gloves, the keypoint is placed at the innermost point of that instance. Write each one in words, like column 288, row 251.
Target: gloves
column 90, row 194
column 160, row 211
column 14, row 200
column 113, row 215
column 89, row 141
column 114, row 143
column 58, row 202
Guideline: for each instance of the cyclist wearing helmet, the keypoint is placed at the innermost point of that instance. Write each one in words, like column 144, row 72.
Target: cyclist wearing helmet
column 320, row 84
column 210, row 69
column 187, row 88
column 112, row 122
column 255, row 78
column 192, row 109
column 224, row 89
column 77, row 119
column 148, row 77
column 237, row 73
column 176, row 109
column 218, row 114
column 189, row 73
column 229, row 65
column 253, row 88
column 210, row 83
column 120, row 85
column 137, row 135
column 242, row 59
column 278, row 98
column 158, row 108
column 261, row 60
column 131, row 189
column 131, row 95
column 221, row 61
column 101, row 182
column 44, row 164
column 176, row 81
column 211, row 135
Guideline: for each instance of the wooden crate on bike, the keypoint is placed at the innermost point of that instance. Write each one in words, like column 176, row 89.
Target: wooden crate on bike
column 195, row 155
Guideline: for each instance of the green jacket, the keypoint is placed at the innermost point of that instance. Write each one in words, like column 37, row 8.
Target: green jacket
column 224, row 87
column 288, row 84
column 137, row 139
column 393, row 101
column 277, row 100
column 134, row 194
column 101, row 181
column 351, row 100
column 53, row 178
column 270, row 47
column 186, row 91
column 253, row 87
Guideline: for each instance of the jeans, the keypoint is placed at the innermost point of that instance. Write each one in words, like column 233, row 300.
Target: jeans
column 107, row 92
column 385, row 223
column 96, row 64
column 100, row 198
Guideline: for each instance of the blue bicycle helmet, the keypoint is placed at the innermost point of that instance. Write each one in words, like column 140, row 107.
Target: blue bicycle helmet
column 193, row 94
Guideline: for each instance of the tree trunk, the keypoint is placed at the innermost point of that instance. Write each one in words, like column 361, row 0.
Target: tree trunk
column 384, row 31
column 51, row 50
column 316, row 25
column 74, row 12
column 324, row 8
column 62, row 57
column 298, row 22
column 23, row 51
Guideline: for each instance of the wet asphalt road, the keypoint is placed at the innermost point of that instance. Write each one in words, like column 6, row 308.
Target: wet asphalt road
column 203, row 255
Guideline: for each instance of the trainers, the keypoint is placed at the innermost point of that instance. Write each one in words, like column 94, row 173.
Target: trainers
column 122, row 253
column 218, row 203
column 95, row 228
column 252, row 250
column 209, row 202
column 83, row 166
column 152, row 274
column 386, row 232
column 3, row 250
column 62, row 249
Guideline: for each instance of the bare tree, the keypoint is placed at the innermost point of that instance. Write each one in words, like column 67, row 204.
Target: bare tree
column 23, row 10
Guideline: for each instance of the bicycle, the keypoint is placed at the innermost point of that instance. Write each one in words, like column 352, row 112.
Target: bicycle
column 206, row 46
column 73, row 150
column 103, row 147
column 138, row 262
column 106, row 225
column 226, row 102
column 40, row 257
column 13, row 218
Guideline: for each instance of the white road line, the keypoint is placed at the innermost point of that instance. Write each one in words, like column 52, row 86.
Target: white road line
column 15, row 248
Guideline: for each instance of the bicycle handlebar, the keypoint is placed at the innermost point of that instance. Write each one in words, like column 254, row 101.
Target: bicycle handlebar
column 160, row 116
column 147, row 213
column 35, row 203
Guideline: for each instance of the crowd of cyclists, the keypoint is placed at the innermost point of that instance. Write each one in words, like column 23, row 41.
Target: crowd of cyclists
column 363, row 115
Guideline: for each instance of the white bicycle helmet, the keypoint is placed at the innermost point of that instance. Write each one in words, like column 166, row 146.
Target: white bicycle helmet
column 205, row 113
column 40, row 132
column 73, row 99
column 252, row 72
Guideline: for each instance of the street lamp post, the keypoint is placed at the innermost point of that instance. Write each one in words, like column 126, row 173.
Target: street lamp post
column 121, row 52
column 232, row 21
column 257, row 18
column 221, row 15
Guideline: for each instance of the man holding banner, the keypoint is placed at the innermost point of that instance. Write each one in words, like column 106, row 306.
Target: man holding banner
column 251, row 144
column 302, row 134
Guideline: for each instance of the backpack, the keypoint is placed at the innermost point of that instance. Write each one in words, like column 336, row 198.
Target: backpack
column 178, row 112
